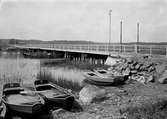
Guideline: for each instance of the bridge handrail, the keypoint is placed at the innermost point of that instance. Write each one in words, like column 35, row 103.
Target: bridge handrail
column 125, row 48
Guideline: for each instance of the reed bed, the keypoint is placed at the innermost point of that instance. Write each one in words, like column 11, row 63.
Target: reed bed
column 18, row 70
column 60, row 80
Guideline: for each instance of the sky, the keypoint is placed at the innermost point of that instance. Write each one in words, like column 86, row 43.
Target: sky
column 83, row 20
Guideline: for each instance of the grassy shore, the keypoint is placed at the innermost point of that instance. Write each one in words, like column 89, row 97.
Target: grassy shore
column 149, row 110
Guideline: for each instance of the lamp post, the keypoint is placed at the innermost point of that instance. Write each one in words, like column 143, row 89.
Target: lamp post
column 109, row 31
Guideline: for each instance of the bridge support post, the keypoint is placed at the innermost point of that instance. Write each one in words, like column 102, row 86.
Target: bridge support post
column 65, row 55
column 136, row 48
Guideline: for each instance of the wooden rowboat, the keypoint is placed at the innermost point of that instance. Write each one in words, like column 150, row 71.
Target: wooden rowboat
column 16, row 100
column 54, row 96
column 103, row 80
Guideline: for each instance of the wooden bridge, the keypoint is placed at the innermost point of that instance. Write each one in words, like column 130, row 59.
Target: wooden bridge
column 93, row 53
column 101, row 49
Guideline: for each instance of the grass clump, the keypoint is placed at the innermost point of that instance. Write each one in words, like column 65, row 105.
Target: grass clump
column 69, row 84
column 60, row 81
column 157, row 110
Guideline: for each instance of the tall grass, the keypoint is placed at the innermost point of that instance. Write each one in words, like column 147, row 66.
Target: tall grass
column 60, row 80
column 18, row 70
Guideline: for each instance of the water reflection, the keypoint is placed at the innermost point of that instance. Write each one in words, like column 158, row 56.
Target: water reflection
column 13, row 66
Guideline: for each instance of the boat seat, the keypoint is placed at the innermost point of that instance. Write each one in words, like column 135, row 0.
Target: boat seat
column 14, row 90
column 43, row 87
column 38, row 82
column 53, row 93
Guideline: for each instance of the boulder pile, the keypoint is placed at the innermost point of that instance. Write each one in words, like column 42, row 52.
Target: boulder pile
column 139, row 69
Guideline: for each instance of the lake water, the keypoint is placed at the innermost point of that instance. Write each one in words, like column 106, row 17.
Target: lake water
column 14, row 68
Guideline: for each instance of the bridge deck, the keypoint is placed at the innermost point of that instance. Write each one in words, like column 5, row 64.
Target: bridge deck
column 101, row 49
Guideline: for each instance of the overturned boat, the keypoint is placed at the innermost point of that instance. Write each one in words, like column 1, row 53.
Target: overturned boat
column 15, row 99
column 54, row 95
column 103, row 80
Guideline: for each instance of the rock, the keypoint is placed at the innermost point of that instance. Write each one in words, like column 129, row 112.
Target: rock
column 160, row 68
column 55, row 113
column 150, row 78
column 124, row 66
column 135, row 63
column 133, row 72
column 137, row 67
column 141, row 79
column 91, row 93
column 131, row 66
column 163, row 78
column 111, row 61
column 98, row 117
column 129, row 60
column 126, row 72
column 58, row 111
column 110, row 68
column 142, row 68
column 150, row 69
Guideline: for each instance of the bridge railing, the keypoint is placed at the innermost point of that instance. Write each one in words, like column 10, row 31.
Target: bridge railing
column 105, row 48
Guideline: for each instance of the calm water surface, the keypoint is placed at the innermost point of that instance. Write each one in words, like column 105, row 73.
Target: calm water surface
column 14, row 66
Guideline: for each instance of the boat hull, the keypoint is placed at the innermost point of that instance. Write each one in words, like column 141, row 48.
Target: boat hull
column 65, row 103
column 99, row 80
column 37, row 108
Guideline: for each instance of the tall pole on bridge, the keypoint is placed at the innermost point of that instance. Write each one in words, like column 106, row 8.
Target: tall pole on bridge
column 138, row 37
column 121, row 35
column 109, row 31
